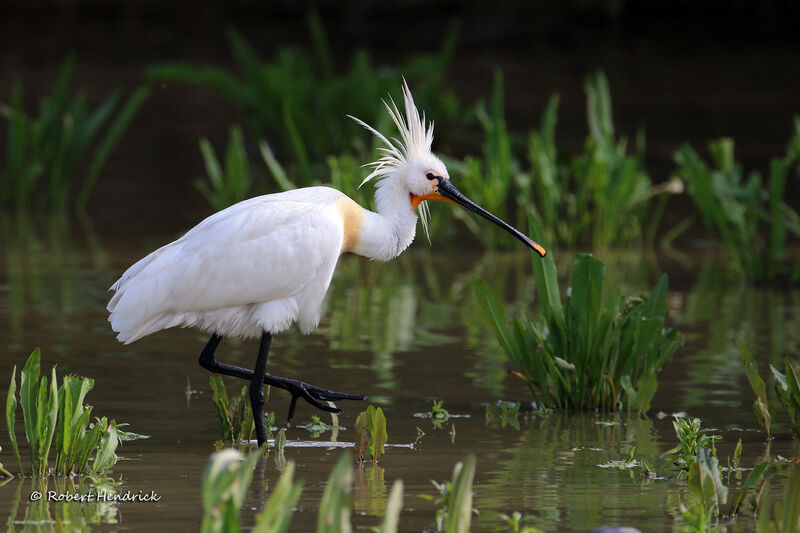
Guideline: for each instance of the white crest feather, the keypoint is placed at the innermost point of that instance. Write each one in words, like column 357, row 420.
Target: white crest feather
column 416, row 137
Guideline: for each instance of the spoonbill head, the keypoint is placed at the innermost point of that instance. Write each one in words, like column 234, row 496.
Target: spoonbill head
column 409, row 163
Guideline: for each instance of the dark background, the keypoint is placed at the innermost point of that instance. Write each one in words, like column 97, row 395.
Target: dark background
column 682, row 70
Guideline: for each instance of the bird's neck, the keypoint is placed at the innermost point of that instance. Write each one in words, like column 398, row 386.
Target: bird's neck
column 385, row 234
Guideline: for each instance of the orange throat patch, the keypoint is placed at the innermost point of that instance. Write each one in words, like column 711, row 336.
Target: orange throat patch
column 431, row 196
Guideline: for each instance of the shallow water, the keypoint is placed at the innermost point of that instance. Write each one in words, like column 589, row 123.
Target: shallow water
column 404, row 333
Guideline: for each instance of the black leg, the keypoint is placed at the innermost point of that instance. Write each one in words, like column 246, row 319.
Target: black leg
column 257, row 388
column 298, row 389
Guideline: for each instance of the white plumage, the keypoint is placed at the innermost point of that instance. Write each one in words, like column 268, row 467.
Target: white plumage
column 257, row 266
column 265, row 263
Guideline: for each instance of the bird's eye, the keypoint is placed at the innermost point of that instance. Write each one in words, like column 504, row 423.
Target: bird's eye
column 430, row 176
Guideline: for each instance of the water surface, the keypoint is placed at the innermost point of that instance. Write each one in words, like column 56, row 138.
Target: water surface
column 404, row 333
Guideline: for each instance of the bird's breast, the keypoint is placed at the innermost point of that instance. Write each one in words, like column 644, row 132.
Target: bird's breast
column 353, row 220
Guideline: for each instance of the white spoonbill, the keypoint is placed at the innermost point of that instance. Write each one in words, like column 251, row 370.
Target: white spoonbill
column 265, row 263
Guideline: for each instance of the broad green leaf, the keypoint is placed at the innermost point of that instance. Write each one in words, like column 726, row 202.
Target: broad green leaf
column 225, row 483
column 361, row 433
column 377, row 432
column 106, row 457
column 646, row 388
column 713, row 490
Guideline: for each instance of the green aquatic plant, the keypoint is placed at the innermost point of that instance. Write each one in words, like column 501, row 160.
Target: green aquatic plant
column 455, row 513
column 299, row 102
column 229, row 474
column 76, row 438
column 784, row 516
column 334, row 508
column 438, row 414
column 749, row 213
column 225, row 483
column 506, row 412
column 691, row 438
column 756, row 482
column 45, row 153
column 707, row 493
column 39, row 409
column 279, row 507
column 587, row 353
column 696, row 457
column 234, row 413
column 58, row 413
column 760, row 404
column 787, row 385
column 370, row 433
column 238, row 179
column 787, row 388
column 600, row 197
column 513, row 524
column 491, row 178
column 233, row 184
column 316, row 426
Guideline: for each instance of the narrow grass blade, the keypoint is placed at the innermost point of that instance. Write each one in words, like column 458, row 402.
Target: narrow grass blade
column 459, row 514
column 322, row 48
column 275, row 167
column 220, row 399
column 334, row 509
column 221, row 81
column 393, row 507
column 791, row 503
column 761, row 404
column 755, row 475
column 278, row 510
column 29, row 393
column 11, row 415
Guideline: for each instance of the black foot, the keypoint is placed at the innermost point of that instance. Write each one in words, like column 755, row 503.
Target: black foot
column 310, row 393
column 298, row 389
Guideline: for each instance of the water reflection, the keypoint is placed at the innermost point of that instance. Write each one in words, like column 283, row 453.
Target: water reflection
column 717, row 312
column 41, row 513
column 551, row 473
column 369, row 490
column 45, row 271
